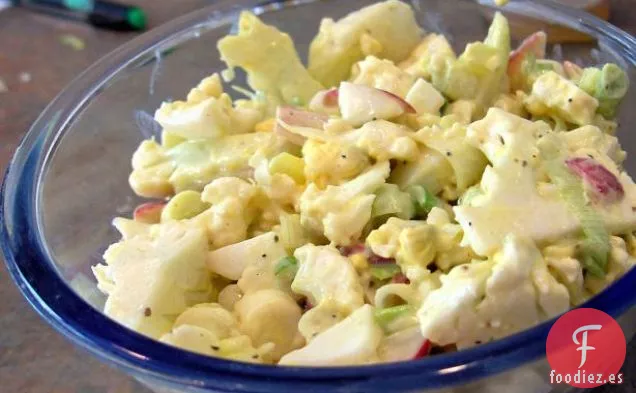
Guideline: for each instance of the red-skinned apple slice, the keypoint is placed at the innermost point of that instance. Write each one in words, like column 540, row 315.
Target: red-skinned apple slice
column 602, row 184
column 288, row 117
column 534, row 44
column 325, row 101
column 572, row 71
column 360, row 104
column 149, row 212
column 407, row 344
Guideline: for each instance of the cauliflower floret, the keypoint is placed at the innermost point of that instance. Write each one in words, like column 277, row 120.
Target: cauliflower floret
column 382, row 74
column 281, row 189
column 466, row 161
column 151, row 171
column 341, row 212
column 270, row 316
column 355, row 340
column 159, row 171
column 206, row 113
column 555, row 94
column 332, row 163
column 416, row 244
column 170, row 258
column 383, row 140
column 331, row 285
column 411, row 243
column 231, row 212
column 487, row 300
column 433, row 49
column 566, row 268
column 211, row 330
column 387, row 29
column 620, row 262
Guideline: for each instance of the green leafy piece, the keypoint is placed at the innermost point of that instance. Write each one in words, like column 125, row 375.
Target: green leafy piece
column 423, row 200
column 596, row 245
column 385, row 316
column 287, row 266
column 384, row 271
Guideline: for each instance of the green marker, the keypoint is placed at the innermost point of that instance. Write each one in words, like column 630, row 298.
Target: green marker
column 104, row 14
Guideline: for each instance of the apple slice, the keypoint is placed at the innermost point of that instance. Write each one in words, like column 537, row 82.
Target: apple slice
column 534, row 45
column 149, row 212
column 360, row 104
column 290, row 120
column 325, row 101
column 407, row 344
column 603, row 184
column 230, row 261
column 572, row 71
column 424, row 97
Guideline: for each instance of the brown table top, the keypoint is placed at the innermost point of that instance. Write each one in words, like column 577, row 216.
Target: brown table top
column 35, row 66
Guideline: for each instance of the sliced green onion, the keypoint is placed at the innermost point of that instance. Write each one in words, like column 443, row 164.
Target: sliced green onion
column 384, row 271
column 385, row 316
column 287, row 266
column 423, row 200
column 596, row 245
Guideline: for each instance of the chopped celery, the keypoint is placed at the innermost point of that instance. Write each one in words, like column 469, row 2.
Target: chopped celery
column 289, row 165
column 608, row 85
column 423, row 200
column 184, row 205
column 390, row 201
column 384, row 271
column 596, row 245
column 292, row 233
column 481, row 58
column 385, row 316
column 287, row 266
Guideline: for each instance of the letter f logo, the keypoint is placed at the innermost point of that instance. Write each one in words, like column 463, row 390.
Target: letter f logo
column 583, row 344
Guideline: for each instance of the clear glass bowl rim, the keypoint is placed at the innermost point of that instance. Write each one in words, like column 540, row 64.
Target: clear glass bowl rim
column 30, row 265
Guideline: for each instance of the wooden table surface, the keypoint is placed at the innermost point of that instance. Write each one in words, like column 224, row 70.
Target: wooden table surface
column 35, row 66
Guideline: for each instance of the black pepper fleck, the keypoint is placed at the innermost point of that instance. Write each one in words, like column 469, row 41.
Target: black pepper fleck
column 374, row 118
column 449, row 153
column 501, row 140
column 254, row 356
column 147, row 312
column 314, row 335
column 477, row 342
column 276, row 239
column 524, row 163
column 470, row 224
column 464, row 267
column 214, row 347
column 344, row 156
column 264, row 255
column 591, row 156
column 570, row 100
column 333, row 316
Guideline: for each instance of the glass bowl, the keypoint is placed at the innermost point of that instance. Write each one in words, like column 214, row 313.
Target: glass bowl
column 68, row 179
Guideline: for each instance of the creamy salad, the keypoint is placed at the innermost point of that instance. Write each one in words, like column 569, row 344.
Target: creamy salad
column 389, row 201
